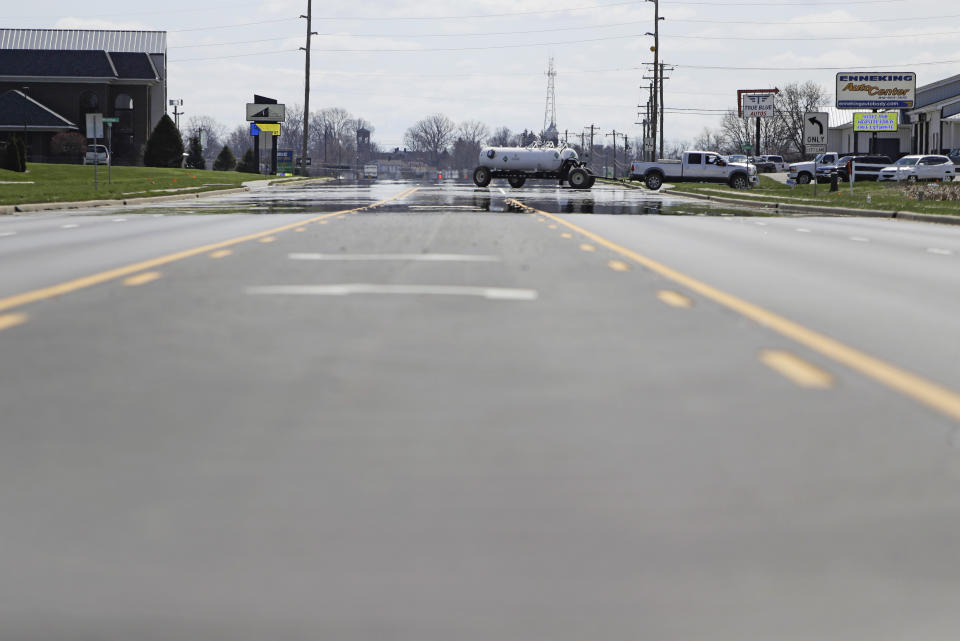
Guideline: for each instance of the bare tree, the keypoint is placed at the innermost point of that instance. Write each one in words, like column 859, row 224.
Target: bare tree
column 432, row 135
column 332, row 134
column 470, row 138
column 793, row 101
column 291, row 131
column 501, row 137
column 214, row 133
column 239, row 140
column 709, row 140
column 473, row 132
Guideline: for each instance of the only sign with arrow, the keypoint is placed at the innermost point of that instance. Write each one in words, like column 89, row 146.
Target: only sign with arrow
column 815, row 124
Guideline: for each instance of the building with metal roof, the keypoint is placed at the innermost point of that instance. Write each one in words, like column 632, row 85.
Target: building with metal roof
column 73, row 72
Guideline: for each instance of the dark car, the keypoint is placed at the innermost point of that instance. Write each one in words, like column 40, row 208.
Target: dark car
column 867, row 167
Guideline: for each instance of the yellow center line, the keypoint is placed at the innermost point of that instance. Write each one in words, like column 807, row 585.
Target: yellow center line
column 588, row 248
column 551, row 226
column 796, row 369
column 11, row 320
column 300, row 229
column 921, row 390
column 566, row 235
column 142, row 279
column 674, row 299
column 618, row 266
column 223, row 253
column 45, row 293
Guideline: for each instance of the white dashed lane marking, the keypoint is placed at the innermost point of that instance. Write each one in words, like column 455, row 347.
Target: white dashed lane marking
column 5, row 234
column 859, row 239
column 490, row 293
column 70, row 226
column 939, row 252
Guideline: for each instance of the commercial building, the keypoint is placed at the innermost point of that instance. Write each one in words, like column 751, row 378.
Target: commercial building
column 52, row 78
column 932, row 126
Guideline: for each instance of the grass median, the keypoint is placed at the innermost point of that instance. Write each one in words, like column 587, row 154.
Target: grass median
column 43, row 183
column 923, row 198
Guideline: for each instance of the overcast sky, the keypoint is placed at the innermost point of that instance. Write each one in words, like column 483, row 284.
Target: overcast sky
column 487, row 61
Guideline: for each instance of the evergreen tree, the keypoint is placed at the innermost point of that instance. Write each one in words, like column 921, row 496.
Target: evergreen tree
column 225, row 161
column 248, row 165
column 10, row 156
column 165, row 147
column 195, row 158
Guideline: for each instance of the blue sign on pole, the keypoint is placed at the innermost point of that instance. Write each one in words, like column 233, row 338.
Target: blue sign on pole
column 254, row 129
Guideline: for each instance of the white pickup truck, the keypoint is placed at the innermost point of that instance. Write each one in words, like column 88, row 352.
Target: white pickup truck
column 696, row 166
column 803, row 172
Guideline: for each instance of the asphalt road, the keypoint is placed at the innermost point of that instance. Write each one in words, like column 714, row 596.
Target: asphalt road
column 470, row 414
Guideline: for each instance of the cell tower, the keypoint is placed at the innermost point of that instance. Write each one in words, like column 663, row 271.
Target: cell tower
column 550, row 131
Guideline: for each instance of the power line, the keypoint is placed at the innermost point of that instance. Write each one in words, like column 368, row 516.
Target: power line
column 231, row 26
column 868, row 37
column 899, row 65
column 471, row 17
column 816, row 22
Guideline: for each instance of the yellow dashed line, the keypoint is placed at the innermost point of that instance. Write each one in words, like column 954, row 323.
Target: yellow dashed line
column 588, row 248
column 324, row 222
column 221, row 253
column 551, row 226
column 796, row 369
column 268, row 239
column 674, row 299
column 46, row 293
column 618, row 266
column 918, row 388
column 142, row 279
column 566, row 235
column 300, row 229
column 11, row 320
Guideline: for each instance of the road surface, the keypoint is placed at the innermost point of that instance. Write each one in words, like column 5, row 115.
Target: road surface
column 418, row 411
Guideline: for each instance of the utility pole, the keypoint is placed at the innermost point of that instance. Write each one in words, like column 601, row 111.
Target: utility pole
column 304, row 171
column 614, row 154
column 656, row 67
column 177, row 103
column 590, row 154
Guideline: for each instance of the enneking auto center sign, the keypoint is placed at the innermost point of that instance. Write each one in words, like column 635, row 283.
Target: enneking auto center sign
column 876, row 90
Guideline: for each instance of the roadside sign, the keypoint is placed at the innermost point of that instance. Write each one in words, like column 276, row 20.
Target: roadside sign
column 284, row 162
column 876, row 122
column 264, row 128
column 94, row 125
column 648, row 143
column 266, row 113
column 746, row 148
column 759, row 105
column 111, row 121
column 815, row 125
column 876, row 90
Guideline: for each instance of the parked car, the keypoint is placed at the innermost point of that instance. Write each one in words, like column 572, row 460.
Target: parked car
column 779, row 164
column 867, row 167
column 954, row 155
column 96, row 155
column 737, row 158
column 763, row 166
column 914, row 168
column 802, row 172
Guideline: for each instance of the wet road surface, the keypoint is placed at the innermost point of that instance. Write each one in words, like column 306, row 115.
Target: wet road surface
column 429, row 412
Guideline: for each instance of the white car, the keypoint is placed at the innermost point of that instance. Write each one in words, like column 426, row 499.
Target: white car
column 914, row 168
column 96, row 155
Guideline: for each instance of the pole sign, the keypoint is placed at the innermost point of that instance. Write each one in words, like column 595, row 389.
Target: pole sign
column 815, row 125
column 94, row 125
column 266, row 113
column 876, row 90
column 876, row 122
column 759, row 105
column 264, row 128
column 284, row 162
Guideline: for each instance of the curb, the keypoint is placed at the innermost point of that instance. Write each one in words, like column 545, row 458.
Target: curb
column 788, row 208
column 83, row 204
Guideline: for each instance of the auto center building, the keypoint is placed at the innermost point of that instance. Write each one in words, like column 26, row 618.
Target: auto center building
column 51, row 78
column 932, row 126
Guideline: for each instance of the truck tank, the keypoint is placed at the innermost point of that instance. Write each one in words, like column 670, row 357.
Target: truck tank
column 526, row 159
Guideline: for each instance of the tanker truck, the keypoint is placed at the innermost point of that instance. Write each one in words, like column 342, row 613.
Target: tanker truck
column 516, row 164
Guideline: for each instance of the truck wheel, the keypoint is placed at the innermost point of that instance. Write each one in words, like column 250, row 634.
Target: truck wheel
column 517, row 181
column 593, row 181
column 653, row 181
column 803, row 179
column 579, row 178
column 739, row 181
column 482, row 176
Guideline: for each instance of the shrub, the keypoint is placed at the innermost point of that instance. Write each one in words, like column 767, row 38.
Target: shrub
column 165, row 147
column 248, row 165
column 10, row 156
column 225, row 160
column 69, row 143
column 195, row 158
